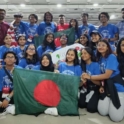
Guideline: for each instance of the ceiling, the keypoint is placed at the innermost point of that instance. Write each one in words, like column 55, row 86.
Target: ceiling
column 70, row 8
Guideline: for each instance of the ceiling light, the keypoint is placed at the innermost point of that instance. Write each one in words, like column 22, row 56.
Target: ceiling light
column 95, row 4
column 59, row 5
column 112, row 17
column 22, row 5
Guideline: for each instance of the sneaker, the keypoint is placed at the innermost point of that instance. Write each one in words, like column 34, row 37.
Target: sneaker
column 9, row 110
column 51, row 111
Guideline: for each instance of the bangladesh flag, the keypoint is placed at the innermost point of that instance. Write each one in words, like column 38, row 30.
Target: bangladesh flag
column 69, row 32
column 35, row 91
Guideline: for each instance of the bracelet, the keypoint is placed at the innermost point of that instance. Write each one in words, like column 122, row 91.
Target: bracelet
column 7, row 98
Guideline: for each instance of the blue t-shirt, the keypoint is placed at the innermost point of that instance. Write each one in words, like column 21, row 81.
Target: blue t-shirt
column 108, row 32
column 86, row 29
column 40, row 50
column 4, row 79
column 111, row 63
column 36, row 67
column 19, row 52
column 70, row 70
column 45, row 28
column 23, row 63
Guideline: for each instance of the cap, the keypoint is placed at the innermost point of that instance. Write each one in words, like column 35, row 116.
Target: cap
column 95, row 32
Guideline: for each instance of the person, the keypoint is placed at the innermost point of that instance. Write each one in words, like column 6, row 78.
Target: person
column 6, row 82
column 85, row 28
column 47, row 46
column 63, row 40
column 47, row 26
column 112, row 90
column 60, row 27
column 90, row 98
column 6, row 47
column 84, row 40
column 120, row 25
column 120, row 56
column 20, row 49
column 74, row 23
column 71, row 65
column 30, row 59
column 108, row 31
column 3, row 26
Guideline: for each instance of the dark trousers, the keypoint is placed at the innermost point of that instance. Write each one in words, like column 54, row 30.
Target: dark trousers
column 1, row 99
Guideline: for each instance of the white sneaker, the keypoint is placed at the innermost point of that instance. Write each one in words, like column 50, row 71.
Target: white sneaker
column 9, row 110
column 51, row 111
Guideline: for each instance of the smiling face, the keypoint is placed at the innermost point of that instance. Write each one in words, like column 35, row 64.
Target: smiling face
column 122, row 46
column 63, row 40
column 31, row 50
column 8, row 40
column 103, row 18
column 45, row 61
column 32, row 19
column 95, row 38
column 85, row 55
column 70, row 56
column 22, row 41
column 49, row 38
column 83, row 40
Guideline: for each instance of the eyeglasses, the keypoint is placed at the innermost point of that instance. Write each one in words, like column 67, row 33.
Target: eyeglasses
column 101, row 45
column 10, row 57
column 103, row 17
column 32, row 49
column 64, row 38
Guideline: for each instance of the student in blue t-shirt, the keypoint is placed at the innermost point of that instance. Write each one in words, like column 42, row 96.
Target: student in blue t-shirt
column 6, row 47
column 47, row 26
column 90, row 66
column 71, row 65
column 113, row 88
column 6, row 84
column 48, row 45
column 85, row 28
column 30, row 59
column 20, row 50
column 63, row 40
column 108, row 31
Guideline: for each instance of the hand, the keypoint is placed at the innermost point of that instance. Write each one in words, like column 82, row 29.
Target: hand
column 36, row 35
column 101, row 90
column 4, row 104
column 56, row 71
column 85, row 76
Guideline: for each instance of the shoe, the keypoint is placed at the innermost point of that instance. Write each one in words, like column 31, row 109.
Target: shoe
column 51, row 111
column 9, row 110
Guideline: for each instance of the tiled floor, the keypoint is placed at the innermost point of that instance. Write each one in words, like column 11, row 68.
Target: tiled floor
column 46, row 119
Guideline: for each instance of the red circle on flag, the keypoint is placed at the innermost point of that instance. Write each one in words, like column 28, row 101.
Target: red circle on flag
column 47, row 93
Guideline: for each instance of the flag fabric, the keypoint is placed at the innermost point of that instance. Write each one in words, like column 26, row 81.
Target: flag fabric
column 35, row 91
column 69, row 32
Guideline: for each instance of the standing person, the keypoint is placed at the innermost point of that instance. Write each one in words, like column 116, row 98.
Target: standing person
column 20, row 49
column 90, row 66
column 48, row 45
column 113, row 88
column 6, row 82
column 30, row 59
column 74, row 23
column 71, row 65
column 85, row 28
column 60, row 27
column 47, row 26
column 120, row 25
column 3, row 26
column 108, row 31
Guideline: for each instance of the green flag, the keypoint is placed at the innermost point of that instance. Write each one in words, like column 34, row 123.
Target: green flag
column 69, row 32
column 35, row 91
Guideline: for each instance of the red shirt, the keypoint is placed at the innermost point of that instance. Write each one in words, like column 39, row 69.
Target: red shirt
column 3, row 31
column 60, row 28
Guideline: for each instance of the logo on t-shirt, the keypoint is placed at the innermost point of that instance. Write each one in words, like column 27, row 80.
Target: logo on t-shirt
column 48, row 30
column 31, row 31
column 7, row 82
column 105, row 34
column 21, row 55
column 102, row 67
column 85, row 31
column 29, row 66
column 68, row 72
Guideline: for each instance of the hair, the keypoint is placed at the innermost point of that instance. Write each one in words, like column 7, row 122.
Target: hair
column 108, row 52
column 65, row 36
column 76, row 27
column 122, row 9
column 91, row 53
column 50, row 67
column 104, row 13
column 61, row 15
column 20, row 37
column 46, row 43
column 11, row 52
column 86, row 14
column 35, row 56
column 45, row 16
column 120, row 57
column 3, row 10
column 76, row 60
column 35, row 16
column 88, row 42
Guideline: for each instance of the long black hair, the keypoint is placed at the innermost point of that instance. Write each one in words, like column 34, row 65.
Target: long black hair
column 120, row 57
column 45, row 16
column 108, row 52
column 76, row 60
column 46, row 43
column 35, row 56
column 50, row 67
column 91, row 53
column 76, row 26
